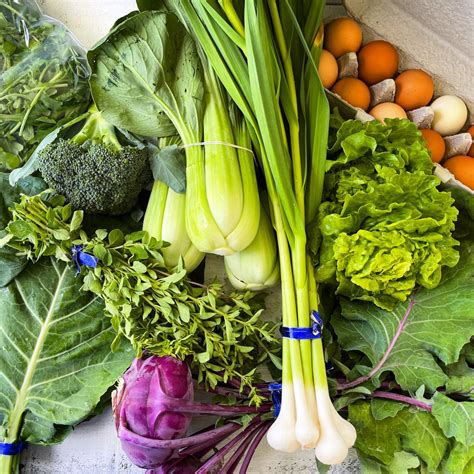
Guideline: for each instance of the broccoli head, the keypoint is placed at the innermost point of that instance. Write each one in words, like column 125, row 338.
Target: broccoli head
column 94, row 171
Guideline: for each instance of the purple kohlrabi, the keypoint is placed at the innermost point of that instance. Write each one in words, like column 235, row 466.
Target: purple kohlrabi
column 142, row 402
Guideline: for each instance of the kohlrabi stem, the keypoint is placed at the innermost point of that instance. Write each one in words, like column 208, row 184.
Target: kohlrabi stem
column 178, row 443
column 220, row 455
column 253, row 446
column 197, row 408
column 387, row 352
column 231, row 465
column 403, row 399
column 199, row 450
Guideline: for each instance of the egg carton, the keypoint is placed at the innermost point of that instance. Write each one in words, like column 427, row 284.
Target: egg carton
column 415, row 36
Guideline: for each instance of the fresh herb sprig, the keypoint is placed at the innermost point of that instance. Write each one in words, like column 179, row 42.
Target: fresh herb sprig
column 220, row 335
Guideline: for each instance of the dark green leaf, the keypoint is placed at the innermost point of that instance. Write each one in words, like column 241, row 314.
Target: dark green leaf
column 169, row 166
column 56, row 362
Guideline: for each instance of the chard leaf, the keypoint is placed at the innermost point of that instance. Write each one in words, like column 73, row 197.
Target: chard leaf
column 56, row 361
column 456, row 419
column 147, row 65
column 434, row 329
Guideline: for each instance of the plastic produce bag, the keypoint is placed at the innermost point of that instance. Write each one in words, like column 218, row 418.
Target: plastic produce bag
column 43, row 79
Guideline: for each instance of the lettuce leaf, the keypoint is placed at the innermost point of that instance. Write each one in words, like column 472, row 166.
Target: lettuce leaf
column 384, row 227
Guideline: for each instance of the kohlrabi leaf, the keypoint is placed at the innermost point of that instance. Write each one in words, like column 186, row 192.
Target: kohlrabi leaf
column 412, row 431
column 147, row 65
column 436, row 328
column 55, row 362
column 382, row 409
column 460, row 460
column 455, row 418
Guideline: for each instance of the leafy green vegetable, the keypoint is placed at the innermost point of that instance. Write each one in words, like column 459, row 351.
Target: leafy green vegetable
column 222, row 336
column 43, row 80
column 143, row 78
column 10, row 263
column 410, row 431
column 434, row 329
column 55, row 362
column 456, row 419
column 411, row 441
column 385, row 226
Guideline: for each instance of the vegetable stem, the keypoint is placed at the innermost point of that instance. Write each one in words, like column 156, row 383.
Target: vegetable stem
column 403, row 399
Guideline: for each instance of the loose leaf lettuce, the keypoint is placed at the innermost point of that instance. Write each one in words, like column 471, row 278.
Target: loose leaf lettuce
column 55, row 362
column 385, row 226
column 435, row 330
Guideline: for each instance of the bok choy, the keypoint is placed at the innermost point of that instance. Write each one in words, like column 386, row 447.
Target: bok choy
column 173, row 90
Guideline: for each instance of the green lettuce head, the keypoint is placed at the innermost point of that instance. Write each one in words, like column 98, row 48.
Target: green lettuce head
column 384, row 227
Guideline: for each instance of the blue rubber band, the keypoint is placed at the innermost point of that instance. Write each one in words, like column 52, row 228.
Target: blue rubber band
column 82, row 258
column 313, row 332
column 275, row 389
column 10, row 449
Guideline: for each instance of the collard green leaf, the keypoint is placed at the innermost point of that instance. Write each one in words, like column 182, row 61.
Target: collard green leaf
column 456, row 419
column 147, row 65
column 435, row 328
column 55, row 362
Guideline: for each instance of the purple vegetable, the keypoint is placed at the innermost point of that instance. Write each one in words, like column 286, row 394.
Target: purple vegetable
column 153, row 407
column 142, row 407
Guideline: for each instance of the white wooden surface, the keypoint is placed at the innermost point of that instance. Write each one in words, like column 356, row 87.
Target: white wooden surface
column 93, row 448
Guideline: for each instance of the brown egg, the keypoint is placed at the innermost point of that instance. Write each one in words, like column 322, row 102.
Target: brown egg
column 462, row 166
column 378, row 60
column 342, row 36
column 327, row 69
column 387, row 110
column 414, row 88
column 434, row 143
column 353, row 91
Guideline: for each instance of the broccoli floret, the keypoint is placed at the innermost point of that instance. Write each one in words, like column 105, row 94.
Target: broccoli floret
column 94, row 171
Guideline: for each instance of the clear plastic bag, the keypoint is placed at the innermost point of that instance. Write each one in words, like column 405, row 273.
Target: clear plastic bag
column 43, row 79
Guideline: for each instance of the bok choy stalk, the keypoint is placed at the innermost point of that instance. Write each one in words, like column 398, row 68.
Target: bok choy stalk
column 257, row 267
column 165, row 220
column 265, row 60
column 223, row 207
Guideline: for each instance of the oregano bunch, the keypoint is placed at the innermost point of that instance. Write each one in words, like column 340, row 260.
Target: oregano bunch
column 221, row 336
